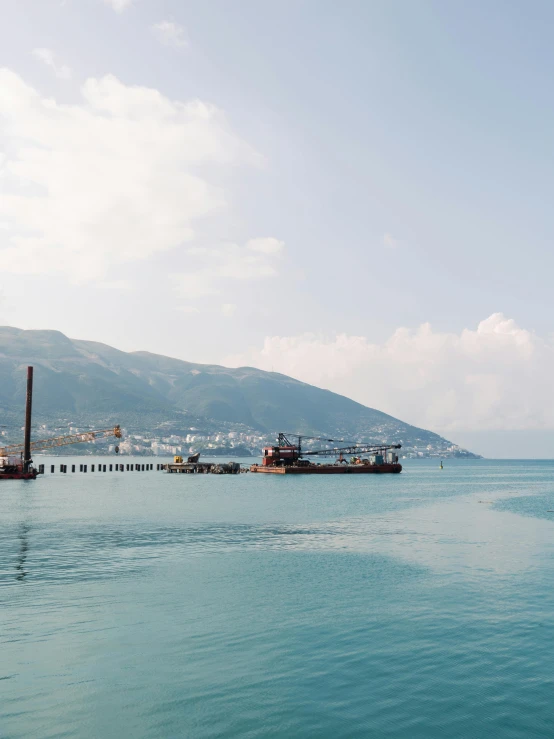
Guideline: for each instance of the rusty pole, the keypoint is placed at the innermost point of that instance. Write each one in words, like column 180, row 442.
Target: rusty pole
column 28, row 408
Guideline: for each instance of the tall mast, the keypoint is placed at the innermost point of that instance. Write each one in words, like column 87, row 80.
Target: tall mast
column 28, row 408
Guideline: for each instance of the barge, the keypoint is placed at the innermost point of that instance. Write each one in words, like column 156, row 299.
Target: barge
column 14, row 469
column 329, row 469
column 194, row 466
column 289, row 458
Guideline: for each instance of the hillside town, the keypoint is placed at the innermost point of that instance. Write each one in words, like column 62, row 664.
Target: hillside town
column 236, row 443
column 244, row 444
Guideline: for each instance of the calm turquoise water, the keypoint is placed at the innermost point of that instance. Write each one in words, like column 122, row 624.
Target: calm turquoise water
column 151, row 605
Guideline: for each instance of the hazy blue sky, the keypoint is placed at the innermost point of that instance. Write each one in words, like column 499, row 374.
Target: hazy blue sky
column 302, row 185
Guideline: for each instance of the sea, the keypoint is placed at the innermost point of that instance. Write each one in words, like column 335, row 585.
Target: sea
column 413, row 606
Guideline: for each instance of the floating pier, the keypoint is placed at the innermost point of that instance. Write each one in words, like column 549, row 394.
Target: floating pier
column 205, row 468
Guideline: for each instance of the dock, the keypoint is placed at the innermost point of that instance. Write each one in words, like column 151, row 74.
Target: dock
column 205, row 468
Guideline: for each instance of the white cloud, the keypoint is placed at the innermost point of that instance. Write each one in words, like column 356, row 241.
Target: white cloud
column 228, row 309
column 119, row 5
column 188, row 309
column 115, row 285
column 267, row 245
column 47, row 56
column 112, row 179
column 495, row 377
column 210, row 269
column 170, row 34
column 389, row 241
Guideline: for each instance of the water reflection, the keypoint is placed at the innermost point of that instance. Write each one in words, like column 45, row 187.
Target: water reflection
column 22, row 552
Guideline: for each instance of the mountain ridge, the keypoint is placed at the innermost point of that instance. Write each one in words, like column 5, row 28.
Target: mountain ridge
column 95, row 382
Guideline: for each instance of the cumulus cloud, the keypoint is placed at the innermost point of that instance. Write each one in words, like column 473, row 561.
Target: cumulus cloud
column 267, row 245
column 119, row 5
column 497, row 376
column 169, row 33
column 115, row 178
column 47, row 57
column 188, row 309
column 228, row 309
column 115, row 285
column 210, row 269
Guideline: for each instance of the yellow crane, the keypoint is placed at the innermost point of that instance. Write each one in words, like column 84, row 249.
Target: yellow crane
column 55, row 441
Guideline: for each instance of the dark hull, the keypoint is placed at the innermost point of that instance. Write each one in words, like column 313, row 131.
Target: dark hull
column 330, row 469
column 31, row 475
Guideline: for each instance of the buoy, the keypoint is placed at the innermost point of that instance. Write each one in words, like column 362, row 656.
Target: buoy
column 441, row 467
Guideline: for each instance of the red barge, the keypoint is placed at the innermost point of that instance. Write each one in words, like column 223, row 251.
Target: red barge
column 288, row 458
column 14, row 470
column 21, row 468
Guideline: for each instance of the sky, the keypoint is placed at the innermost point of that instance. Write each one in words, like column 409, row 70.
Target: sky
column 355, row 194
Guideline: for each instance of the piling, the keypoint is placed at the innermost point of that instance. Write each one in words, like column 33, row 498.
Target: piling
column 28, row 408
column 72, row 468
column 111, row 467
column 84, row 468
column 41, row 469
column 52, row 468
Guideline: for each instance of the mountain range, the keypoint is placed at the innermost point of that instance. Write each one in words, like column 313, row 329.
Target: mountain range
column 87, row 383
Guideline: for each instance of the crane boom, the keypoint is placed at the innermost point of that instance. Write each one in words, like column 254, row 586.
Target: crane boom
column 56, row 441
column 284, row 441
column 353, row 449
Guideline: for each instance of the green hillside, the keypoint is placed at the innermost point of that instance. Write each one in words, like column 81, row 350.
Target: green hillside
column 94, row 383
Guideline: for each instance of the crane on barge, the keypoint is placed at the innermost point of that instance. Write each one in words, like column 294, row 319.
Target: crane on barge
column 16, row 462
column 15, row 459
column 290, row 456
